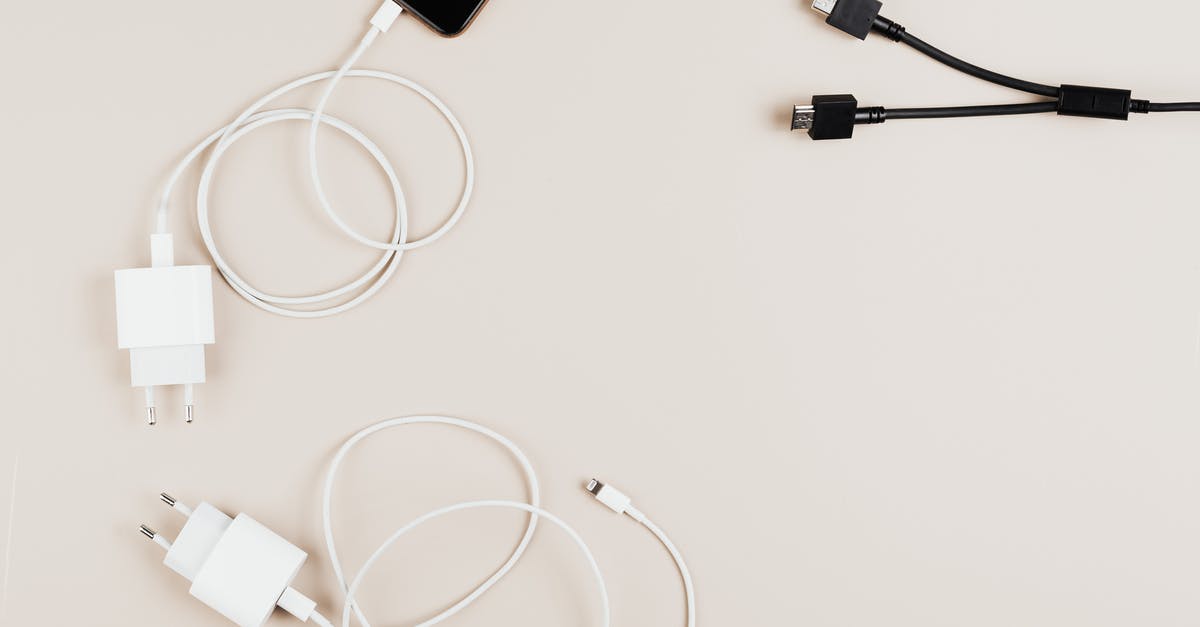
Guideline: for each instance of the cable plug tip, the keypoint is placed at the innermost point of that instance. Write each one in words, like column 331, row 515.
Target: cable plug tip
column 168, row 499
column 148, row 532
column 389, row 11
column 803, row 117
column 824, row 6
column 611, row 497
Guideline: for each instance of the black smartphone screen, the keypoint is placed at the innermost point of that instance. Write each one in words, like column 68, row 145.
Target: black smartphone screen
column 448, row 17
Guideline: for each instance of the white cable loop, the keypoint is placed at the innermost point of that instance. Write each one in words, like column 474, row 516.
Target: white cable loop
column 532, row 507
column 252, row 118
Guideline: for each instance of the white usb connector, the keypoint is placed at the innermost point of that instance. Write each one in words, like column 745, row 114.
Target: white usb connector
column 164, row 319
column 387, row 15
column 620, row 503
column 613, row 498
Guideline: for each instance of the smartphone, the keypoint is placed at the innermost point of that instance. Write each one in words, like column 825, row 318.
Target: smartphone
column 448, row 17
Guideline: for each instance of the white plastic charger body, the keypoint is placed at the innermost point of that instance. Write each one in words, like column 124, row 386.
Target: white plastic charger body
column 165, row 318
column 237, row 566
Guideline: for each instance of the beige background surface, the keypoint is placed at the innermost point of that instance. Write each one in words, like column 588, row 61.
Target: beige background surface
column 944, row 374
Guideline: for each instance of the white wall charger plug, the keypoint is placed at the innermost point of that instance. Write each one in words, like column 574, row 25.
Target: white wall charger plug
column 164, row 319
column 237, row 566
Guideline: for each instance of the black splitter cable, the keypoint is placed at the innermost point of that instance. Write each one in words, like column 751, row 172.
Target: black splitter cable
column 835, row 116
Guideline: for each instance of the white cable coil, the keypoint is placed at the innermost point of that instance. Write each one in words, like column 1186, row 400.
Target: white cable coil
column 359, row 290
column 533, row 508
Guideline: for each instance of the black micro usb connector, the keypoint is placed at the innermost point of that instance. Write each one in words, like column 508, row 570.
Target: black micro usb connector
column 835, row 116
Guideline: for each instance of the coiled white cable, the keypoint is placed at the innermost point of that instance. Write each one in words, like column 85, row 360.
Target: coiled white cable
column 362, row 288
column 532, row 507
column 611, row 497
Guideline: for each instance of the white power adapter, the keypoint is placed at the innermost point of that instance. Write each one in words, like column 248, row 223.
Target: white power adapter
column 237, row 566
column 164, row 319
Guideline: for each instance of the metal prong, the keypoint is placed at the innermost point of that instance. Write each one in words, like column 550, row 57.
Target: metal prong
column 157, row 539
column 803, row 117
column 595, row 487
column 189, row 401
column 824, row 6
column 151, row 413
column 182, row 508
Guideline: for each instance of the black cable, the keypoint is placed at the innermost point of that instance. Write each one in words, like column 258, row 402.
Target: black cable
column 1171, row 107
column 896, row 32
column 969, row 112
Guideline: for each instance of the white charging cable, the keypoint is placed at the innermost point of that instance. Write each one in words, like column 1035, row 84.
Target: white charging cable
column 243, row 570
column 531, row 482
column 609, row 496
column 254, row 117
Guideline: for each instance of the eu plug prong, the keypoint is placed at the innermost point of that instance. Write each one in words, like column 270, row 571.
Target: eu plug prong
column 151, row 412
column 175, row 504
column 153, row 535
column 189, row 402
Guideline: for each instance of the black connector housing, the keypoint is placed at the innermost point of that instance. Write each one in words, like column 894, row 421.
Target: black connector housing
column 1095, row 102
column 855, row 17
column 833, row 117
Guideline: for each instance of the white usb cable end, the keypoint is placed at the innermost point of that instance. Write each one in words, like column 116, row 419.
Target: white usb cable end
column 164, row 320
column 620, row 503
column 387, row 15
column 612, row 498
